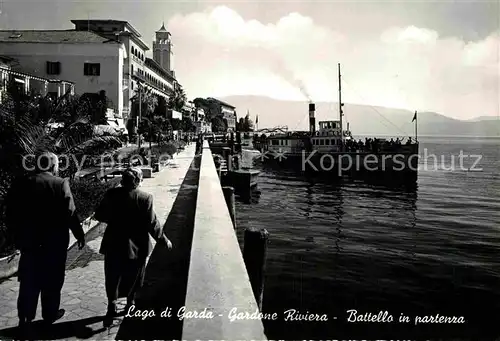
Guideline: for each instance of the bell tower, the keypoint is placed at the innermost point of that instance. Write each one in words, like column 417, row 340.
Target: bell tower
column 162, row 49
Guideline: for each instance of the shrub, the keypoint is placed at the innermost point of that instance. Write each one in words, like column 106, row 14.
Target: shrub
column 6, row 242
column 89, row 193
column 169, row 148
column 181, row 144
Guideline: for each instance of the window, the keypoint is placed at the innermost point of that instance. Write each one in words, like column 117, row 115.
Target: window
column 321, row 142
column 327, row 142
column 92, row 69
column 53, row 68
column 131, row 69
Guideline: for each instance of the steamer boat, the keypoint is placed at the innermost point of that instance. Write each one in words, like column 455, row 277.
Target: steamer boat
column 333, row 149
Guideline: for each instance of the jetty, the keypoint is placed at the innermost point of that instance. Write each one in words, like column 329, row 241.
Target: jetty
column 203, row 279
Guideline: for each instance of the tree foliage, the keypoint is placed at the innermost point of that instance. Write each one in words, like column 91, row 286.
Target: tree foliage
column 155, row 126
column 187, row 125
column 149, row 102
column 161, row 107
column 176, row 124
column 178, row 98
column 148, row 106
column 218, row 124
column 31, row 124
column 98, row 105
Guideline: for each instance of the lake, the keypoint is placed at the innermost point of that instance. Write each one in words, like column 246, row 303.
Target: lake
column 432, row 248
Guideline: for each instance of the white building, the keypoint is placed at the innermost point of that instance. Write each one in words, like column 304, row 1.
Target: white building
column 199, row 115
column 203, row 127
column 30, row 83
column 216, row 108
column 96, row 55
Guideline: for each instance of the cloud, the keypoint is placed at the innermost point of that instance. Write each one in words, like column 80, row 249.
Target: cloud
column 219, row 53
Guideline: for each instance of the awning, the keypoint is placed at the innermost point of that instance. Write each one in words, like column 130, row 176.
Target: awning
column 113, row 123
column 54, row 125
column 176, row 114
column 121, row 125
column 102, row 129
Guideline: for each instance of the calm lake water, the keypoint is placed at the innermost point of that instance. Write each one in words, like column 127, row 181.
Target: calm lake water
column 423, row 250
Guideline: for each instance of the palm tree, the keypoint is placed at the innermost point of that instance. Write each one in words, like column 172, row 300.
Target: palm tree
column 30, row 125
column 149, row 102
column 178, row 98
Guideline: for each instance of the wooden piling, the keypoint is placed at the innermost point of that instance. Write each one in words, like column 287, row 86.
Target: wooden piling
column 230, row 201
column 254, row 255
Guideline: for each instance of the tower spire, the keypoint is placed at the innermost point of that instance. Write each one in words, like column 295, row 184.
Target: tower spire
column 162, row 29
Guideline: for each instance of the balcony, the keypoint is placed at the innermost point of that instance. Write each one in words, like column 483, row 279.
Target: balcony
column 163, row 90
column 137, row 60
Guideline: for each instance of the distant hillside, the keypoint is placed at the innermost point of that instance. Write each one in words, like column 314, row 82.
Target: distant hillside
column 484, row 118
column 363, row 120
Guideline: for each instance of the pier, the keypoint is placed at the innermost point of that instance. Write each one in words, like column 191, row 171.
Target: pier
column 204, row 274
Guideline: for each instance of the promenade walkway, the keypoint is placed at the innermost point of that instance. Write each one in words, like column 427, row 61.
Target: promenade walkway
column 83, row 295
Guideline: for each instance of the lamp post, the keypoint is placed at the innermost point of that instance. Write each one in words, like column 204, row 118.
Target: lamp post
column 174, row 93
column 139, row 118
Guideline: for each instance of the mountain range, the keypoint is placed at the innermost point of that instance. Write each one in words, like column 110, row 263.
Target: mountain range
column 363, row 119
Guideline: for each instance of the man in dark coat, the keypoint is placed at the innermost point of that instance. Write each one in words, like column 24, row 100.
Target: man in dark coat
column 41, row 211
column 130, row 218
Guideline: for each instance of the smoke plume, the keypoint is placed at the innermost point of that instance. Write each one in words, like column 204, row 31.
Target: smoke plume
column 279, row 68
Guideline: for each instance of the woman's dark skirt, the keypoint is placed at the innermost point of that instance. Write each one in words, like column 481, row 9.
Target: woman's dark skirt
column 123, row 276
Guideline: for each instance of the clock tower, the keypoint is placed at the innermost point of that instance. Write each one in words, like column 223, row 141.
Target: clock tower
column 162, row 50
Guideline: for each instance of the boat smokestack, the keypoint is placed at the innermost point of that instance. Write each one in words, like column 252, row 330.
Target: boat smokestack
column 312, row 119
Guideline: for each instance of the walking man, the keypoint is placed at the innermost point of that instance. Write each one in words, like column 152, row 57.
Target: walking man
column 130, row 218
column 40, row 212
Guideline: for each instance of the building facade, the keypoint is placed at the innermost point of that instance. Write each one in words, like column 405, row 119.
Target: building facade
column 203, row 127
column 213, row 107
column 97, row 55
column 91, row 62
column 137, row 68
column 30, row 83
column 189, row 110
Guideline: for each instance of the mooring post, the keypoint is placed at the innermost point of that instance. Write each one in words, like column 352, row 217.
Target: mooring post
column 230, row 201
column 254, row 255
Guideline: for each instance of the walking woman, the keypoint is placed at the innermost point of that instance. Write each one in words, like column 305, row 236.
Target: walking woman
column 130, row 218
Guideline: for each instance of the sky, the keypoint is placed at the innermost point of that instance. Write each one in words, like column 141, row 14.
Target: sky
column 418, row 55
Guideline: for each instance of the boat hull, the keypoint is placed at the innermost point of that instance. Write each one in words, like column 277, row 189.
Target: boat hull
column 242, row 181
column 344, row 163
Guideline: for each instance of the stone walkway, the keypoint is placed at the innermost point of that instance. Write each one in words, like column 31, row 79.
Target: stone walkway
column 83, row 295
